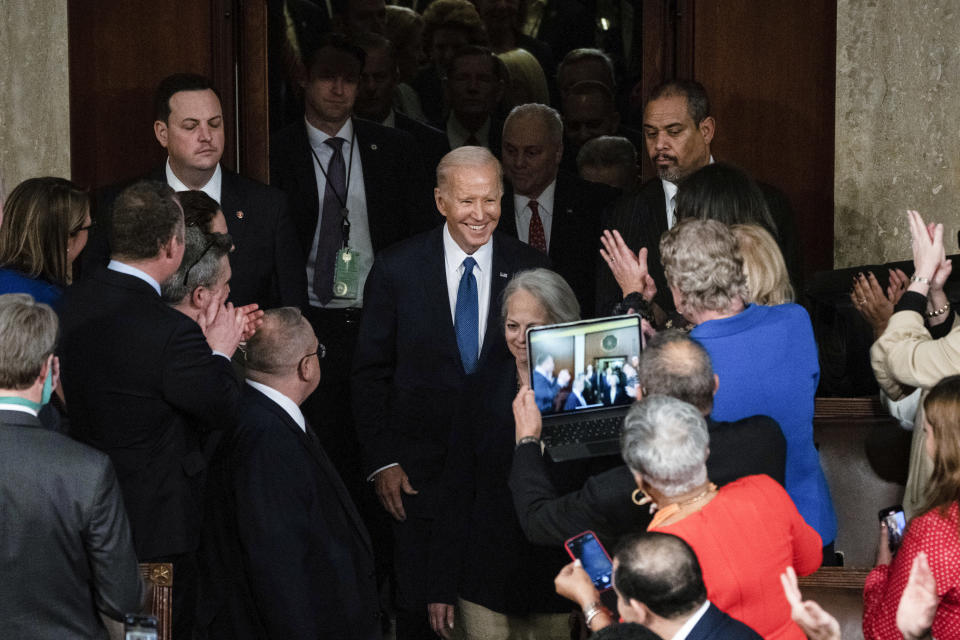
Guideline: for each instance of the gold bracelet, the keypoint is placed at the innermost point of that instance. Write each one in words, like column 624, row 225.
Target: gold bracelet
column 939, row 312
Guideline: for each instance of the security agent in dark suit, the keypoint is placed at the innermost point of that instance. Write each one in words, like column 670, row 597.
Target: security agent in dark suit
column 678, row 129
column 285, row 552
column 671, row 364
column 430, row 318
column 473, row 87
column 146, row 385
column 66, row 553
column 266, row 261
column 378, row 82
column 357, row 188
column 659, row 584
column 555, row 212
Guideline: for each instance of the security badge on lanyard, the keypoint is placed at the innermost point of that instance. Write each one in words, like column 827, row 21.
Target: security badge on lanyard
column 346, row 272
column 346, row 268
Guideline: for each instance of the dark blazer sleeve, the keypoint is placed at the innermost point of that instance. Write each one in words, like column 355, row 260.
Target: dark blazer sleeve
column 603, row 504
column 374, row 364
column 113, row 563
column 198, row 382
column 290, row 273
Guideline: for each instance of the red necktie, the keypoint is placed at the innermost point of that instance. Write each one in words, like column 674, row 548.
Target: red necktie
column 536, row 237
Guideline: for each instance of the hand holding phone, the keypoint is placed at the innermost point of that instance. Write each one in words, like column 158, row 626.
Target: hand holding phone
column 596, row 562
column 896, row 522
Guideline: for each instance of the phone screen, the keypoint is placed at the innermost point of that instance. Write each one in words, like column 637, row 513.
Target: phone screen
column 896, row 522
column 594, row 559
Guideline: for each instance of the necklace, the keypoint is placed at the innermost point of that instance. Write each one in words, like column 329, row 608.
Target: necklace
column 710, row 488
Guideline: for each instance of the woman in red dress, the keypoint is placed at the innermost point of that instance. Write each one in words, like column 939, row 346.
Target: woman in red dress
column 936, row 531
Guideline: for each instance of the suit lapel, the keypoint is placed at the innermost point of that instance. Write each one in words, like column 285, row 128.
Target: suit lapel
column 232, row 207
column 435, row 288
column 374, row 172
column 508, row 214
column 301, row 167
column 501, row 272
column 326, row 467
column 562, row 224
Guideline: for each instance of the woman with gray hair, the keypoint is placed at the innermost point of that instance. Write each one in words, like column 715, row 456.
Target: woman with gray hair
column 765, row 355
column 501, row 584
column 744, row 533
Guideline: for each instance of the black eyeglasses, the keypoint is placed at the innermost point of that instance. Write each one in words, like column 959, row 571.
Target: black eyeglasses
column 186, row 274
column 321, row 353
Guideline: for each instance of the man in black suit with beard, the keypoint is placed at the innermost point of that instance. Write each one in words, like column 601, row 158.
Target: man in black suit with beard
column 146, row 385
column 266, row 263
column 430, row 318
column 285, row 553
column 673, row 365
column 678, row 128
column 556, row 212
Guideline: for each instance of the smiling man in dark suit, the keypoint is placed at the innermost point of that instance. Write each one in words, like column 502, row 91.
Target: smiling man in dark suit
column 266, row 263
column 287, row 555
column 553, row 211
column 430, row 318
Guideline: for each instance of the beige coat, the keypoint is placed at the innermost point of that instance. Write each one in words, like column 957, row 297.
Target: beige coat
column 905, row 357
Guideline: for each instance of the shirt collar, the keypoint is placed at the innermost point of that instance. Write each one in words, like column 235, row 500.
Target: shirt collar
column 390, row 120
column 460, row 133
column 691, row 622
column 318, row 137
column 670, row 188
column 213, row 187
column 544, row 200
column 17, row 407
column 121, row 267
column 454, row 256
column 285, row 403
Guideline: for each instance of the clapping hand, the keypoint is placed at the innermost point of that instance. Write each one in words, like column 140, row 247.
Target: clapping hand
column 526, row 415
column 629, row 269
column 918, row 604
column 816, row 623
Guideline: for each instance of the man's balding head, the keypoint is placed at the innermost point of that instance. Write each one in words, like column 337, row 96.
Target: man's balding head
column 662, row 572
column 281, row 341
column 675, row 365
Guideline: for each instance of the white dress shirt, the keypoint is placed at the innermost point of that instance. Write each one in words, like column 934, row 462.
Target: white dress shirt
column 521, row 204
column 356, row 204
column 453, row 257
column 17, row 407
column 691, row 622
column 285, row 403
column 670, row 199
column 457, row 134
column 213, row 188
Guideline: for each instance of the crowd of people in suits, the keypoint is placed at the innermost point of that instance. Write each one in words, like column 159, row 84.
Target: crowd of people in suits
column 314, row 398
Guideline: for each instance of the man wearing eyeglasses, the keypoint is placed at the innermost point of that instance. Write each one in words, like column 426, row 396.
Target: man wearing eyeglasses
column 146, row 384
column 286, row 554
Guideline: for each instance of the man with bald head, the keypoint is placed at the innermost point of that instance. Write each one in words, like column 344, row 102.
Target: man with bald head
column 288, row 555
column 553, row 211
column 430, row 318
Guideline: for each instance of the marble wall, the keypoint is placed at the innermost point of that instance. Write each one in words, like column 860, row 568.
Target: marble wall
column 897, row 125
column 34, row 91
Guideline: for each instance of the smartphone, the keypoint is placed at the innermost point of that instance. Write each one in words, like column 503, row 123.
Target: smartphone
column 896, row 522
column 139, row 627
column 594, row 558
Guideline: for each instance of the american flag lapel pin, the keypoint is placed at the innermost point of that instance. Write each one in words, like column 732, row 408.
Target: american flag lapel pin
column 503, row 275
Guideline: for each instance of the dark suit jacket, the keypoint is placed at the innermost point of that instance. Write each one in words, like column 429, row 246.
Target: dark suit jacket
column 737, row 449
column 66, row 549
column 717, row 625
column 641, row 219
column 407, row 371
column 478, row 550
column 578, row 208
column 432, row 142
column 266, row 265
column 399, row 197
column 143, row 386
column 285, row 553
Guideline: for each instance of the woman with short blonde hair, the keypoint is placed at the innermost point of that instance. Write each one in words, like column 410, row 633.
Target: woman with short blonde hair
column 767, row 279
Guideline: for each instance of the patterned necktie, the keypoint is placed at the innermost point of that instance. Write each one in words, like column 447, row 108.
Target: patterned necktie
column 331, row 222
column 536, row 237
column 465, row 321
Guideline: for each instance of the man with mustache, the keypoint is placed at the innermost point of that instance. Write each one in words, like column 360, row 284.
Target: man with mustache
column 677, row 128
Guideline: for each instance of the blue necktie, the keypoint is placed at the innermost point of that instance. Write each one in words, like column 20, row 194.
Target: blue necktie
column 465, row 321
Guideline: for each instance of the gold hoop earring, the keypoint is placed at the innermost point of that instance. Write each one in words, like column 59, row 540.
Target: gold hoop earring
column 637, row 500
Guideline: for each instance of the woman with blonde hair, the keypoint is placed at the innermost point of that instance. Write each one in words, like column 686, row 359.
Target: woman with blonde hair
column 527, row 82
column 768, row 282
column 45, row 225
